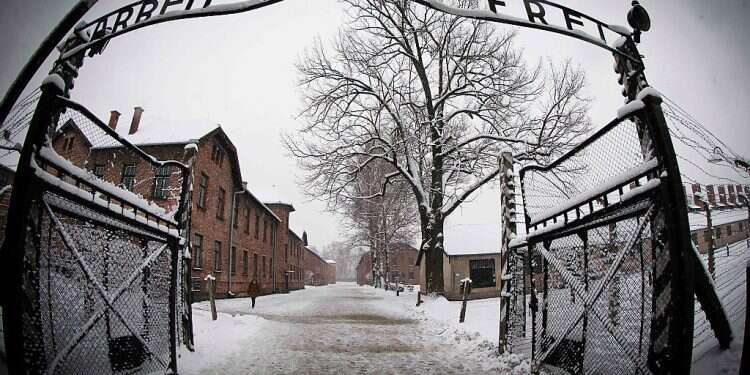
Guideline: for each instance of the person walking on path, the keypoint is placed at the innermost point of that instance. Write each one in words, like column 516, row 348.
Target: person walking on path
column 253, row 291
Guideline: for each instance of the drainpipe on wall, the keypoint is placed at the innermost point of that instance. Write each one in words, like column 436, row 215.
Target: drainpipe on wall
column 273, row 255
column 231, row 234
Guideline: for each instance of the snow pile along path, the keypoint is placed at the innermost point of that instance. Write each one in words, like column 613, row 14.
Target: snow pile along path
column 216, row 341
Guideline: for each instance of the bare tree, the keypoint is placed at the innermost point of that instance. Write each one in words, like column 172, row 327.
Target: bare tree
column 377, row 220
column 436, row 97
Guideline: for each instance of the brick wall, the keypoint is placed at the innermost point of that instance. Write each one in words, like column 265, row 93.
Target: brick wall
column 294, row 262
column 739, row 231
column 210, row 224
column 253, row 254
column 283, row 212
column 314, row 268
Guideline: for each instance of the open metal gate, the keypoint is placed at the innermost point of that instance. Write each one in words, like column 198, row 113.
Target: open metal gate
column 603, row 281
column 94, row 268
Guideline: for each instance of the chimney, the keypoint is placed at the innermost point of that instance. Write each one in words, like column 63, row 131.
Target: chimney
column 113, row 117
column 138, row 112
column 244, row 185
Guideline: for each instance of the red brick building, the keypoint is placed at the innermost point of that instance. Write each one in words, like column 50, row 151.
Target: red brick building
column 729, row 216
column 402, row 259
column 329, row 272
column 316, row 269
column 288, row 262
column 235, row 237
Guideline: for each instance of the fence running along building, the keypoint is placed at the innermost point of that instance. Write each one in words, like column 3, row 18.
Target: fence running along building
column 234, row 235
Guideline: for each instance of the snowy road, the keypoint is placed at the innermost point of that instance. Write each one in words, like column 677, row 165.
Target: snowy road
column 338, row 329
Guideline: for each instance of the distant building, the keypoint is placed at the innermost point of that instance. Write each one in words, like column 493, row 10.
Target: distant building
column 330, row 272
column 316, row 269
column 471, row 251
column 729, row 216
column 402, row 259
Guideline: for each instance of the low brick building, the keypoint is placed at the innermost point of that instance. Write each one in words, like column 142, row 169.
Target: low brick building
column 471, row 251
column 329, row 272
column 729, row 216
column 316, row 269
column 235, row 236
column 402, row 259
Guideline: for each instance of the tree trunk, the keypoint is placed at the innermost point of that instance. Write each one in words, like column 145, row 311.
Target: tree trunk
column 434, row 258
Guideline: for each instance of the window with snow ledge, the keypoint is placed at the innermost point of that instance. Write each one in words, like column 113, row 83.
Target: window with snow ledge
column 220, row 204
column 198, row 252
column 217, row 155
column 217, row 256
column 255, row 266
column 482, row 273
column 235, row 217
column 233, row 257
column 161, row 182
column 247, row 220
column 203, row 191
column 257, row 226
column 68, row 143
column 99, row 171
column 244, row 262
column 127, row 178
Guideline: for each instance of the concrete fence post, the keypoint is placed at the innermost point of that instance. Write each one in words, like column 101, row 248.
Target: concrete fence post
column 466, row 285
column 211, row 285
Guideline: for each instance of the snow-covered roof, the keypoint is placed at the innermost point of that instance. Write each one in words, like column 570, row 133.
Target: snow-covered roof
column 154, row 130
column 472, row 239
column 718, row 217
column 280, row 203
column 330, row 261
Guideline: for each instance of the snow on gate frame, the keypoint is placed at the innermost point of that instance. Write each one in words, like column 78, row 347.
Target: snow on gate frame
column 91, row 39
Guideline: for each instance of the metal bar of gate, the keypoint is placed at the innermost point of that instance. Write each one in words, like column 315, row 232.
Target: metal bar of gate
column 17, row 274
column 108, row 300
column 41, row 54
column 590, row 298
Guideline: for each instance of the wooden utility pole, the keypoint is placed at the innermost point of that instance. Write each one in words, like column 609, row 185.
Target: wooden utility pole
column 508, row 202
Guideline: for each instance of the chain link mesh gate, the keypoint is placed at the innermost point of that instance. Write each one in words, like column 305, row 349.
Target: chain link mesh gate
column 101, row 285
column 589, row 291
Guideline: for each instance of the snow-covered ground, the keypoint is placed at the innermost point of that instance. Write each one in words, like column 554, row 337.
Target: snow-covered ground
column 344, row 328
column 730, row 283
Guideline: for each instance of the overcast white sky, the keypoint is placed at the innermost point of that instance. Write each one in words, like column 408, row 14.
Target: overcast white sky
column 238, row 71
